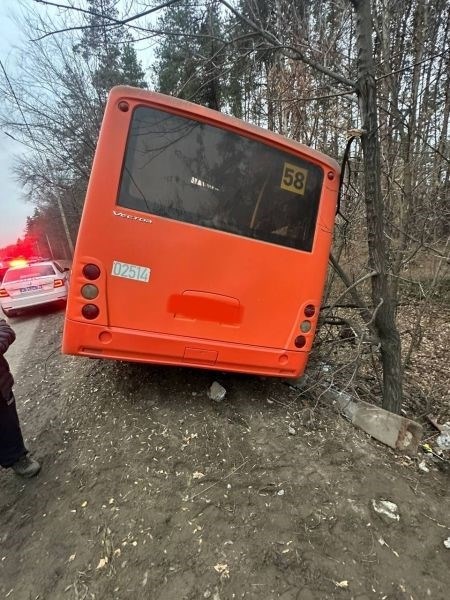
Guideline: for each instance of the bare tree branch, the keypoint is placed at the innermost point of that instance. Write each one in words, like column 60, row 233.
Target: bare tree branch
column 294, row 53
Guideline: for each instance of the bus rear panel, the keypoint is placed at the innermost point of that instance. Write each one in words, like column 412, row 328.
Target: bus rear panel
column 204, row 241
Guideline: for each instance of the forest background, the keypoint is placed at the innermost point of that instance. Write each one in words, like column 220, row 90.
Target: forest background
column 374, row 73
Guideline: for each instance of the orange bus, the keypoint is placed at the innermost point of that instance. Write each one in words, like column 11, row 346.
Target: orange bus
column 204, row 241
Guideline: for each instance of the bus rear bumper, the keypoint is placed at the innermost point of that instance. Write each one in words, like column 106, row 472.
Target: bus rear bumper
column 96, row 341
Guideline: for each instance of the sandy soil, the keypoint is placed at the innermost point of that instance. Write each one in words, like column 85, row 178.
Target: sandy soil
column 150, row 490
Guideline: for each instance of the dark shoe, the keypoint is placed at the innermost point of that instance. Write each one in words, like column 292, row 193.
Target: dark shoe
column 26, row 466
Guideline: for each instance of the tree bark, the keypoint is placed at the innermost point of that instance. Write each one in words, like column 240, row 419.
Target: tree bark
column 384, row 321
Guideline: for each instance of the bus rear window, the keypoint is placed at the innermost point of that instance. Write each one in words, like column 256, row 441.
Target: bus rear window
column 190, row 171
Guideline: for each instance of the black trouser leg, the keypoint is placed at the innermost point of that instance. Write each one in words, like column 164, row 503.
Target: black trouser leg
column 11, row 440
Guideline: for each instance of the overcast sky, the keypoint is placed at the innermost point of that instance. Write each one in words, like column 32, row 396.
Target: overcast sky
column 13, row 210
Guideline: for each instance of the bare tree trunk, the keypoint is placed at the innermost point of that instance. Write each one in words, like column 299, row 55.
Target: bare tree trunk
column 384, row 318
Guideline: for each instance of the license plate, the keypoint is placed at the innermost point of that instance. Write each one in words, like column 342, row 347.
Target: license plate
column 120, row 269
column 31, row 288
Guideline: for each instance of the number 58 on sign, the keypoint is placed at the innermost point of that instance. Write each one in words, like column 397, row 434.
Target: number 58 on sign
column 294, row 179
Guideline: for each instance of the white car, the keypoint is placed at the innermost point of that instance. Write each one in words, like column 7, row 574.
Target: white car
column 33, row 284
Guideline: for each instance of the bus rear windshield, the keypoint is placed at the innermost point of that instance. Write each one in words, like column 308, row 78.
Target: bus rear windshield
column 186, row 170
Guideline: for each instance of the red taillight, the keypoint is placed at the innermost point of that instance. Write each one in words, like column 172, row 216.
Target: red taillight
column 3, row 293
column 90, row 311
column 310, row 310
column 58, row 283
column 91, row 272
column 300, row 341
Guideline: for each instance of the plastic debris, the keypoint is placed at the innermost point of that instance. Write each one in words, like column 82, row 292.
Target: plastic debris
column 423, row 467
column 291, row 430
column 386, row 509
column 443, row 440
column 217, row 392
column 447, row 543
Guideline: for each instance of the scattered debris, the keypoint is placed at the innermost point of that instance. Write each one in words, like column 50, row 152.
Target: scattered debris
column 443, row 440
column 341, row 584
column 447, row 542
column 291, row 430
column 393, row 430
column 102, row 562
column 223, row 569
column 423, row 467
column 382, row 542
column 217, row 392
column 280, row 493
column 434, row 422
column 432, row 454
column 386, row 509
column 198, row 475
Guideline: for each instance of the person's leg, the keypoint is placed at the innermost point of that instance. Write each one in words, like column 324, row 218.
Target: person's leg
column 13, row 453
column 11, row 441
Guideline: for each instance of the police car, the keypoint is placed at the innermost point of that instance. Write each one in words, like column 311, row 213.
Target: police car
column 30, row 284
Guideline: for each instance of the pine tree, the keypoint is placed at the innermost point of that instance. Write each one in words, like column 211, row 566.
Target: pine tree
column 190, row 60
column 109, row 49
column 131, row 68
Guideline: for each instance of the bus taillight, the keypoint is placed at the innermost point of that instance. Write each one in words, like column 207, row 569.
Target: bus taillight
column 58, row 283
column 3, row 293
column 310, row 310
column 90, row 311
column 305, row 326
column 300, row 341
column 89, row 291
column 91, row 272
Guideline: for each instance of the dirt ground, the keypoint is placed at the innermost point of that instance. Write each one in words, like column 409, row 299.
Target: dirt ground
column 150, row 490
